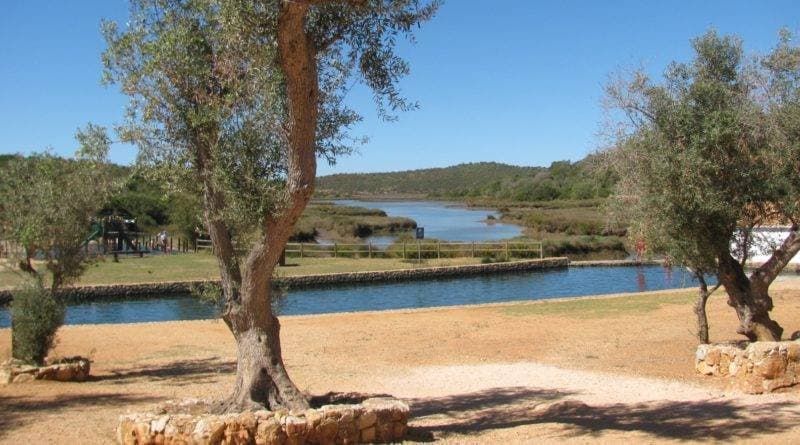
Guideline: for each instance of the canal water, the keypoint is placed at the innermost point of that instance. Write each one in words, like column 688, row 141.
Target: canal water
column 537, row 285
column 443, row 221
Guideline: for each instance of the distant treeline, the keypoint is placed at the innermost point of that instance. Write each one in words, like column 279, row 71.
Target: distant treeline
column 563, row 180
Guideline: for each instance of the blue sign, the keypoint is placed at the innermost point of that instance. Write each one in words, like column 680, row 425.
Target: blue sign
column 420, row 232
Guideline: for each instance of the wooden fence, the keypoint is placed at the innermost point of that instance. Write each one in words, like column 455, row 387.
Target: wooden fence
column 418, row 250
column 405, row 250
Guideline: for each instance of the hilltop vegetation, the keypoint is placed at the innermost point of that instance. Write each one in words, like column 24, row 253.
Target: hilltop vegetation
column 563, row 180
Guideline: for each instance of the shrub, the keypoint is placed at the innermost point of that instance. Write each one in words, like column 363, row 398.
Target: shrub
column 36, row 315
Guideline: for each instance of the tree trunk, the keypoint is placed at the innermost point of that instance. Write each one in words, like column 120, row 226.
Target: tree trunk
column 700, row 309
column 751, row 301
column 261, row 377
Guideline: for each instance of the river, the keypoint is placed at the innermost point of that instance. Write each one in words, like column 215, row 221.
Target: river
column 444, row 221
column 536, row 285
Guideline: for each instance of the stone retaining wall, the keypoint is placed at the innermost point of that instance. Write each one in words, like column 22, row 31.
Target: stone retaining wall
column 122, row 291
column 376, row 420
column 613, row 263
column 754, row 368
column 69, row 369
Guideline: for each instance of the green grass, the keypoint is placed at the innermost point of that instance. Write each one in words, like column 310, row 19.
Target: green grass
column 600, row 307
column 203, row 266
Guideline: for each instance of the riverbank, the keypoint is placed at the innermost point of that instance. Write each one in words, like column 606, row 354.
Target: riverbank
column 125, row 290
column 608, row 369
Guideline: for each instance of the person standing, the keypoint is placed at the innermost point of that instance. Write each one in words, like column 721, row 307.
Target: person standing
column 162, row 240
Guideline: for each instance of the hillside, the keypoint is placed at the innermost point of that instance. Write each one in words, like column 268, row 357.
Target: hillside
column 562, row 180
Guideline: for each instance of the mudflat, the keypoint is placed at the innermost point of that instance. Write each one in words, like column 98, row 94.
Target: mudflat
column 608, row 369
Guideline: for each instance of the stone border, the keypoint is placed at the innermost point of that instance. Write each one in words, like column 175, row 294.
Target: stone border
column 375, row 420
column 122, row 291
column 613, row 263
column 754, row 368
column 67, row 369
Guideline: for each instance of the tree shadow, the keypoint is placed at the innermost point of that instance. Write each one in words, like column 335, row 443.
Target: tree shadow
column 501, row 408
column 16, row 412
column 179, row 373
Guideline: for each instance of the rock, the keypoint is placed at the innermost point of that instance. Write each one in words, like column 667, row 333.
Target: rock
column 23, row 378
column 325, row 432
column 754, row 368
column 295, row 428
column 772, row 367
column 269, row 432
column 795, row 335
column 159, row 424
column 208, row 430
column 381, row 420
column 5, row 376
column 368, row 435
column 367, row 419
column 793, row 352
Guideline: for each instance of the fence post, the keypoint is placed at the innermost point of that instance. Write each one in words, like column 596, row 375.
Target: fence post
column 506, row 250
column 438, row 250
column 419, row 251
column 404, row 250
column 541, row 250
column 369, row 255
column 195, row 245
column 335, row 250
column 301, row 250
column 473, row 249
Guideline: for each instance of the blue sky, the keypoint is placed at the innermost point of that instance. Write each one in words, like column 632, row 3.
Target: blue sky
column 515, row 81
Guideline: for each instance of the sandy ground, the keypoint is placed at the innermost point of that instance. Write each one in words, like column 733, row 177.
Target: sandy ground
column 481, row 374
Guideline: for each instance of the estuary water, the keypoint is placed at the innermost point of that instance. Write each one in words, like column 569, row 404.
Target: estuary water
column 442, row 220
column 535, row 285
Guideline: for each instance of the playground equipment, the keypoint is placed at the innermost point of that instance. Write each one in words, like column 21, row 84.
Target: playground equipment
column 115, row 235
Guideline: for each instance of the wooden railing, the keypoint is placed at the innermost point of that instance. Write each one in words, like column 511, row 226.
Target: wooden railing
column 419, row 250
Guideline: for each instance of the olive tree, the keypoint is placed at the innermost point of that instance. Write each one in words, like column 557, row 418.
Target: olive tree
column 235, row 100
column 707, row 156
column 46, row 207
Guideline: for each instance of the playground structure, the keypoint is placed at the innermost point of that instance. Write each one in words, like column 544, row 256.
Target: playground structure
column 119, row 236
column 115, row 235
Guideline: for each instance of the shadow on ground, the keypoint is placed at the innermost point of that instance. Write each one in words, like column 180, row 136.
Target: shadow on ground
column 501, row 408
column 179, row 373
column 18, row 411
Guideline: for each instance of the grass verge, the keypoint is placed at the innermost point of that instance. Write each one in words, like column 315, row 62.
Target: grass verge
column 600, row 307
column 203, row 266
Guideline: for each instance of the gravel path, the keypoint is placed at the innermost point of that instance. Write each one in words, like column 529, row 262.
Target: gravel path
column 527, row 402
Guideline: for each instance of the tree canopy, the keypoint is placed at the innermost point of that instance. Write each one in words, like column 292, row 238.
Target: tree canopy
column 234, row 101
column 709, row 154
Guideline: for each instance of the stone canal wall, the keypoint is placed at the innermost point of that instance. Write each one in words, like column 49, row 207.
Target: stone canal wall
column 122, row 291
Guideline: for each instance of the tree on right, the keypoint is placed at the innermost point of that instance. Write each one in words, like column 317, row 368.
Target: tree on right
column 706, row 157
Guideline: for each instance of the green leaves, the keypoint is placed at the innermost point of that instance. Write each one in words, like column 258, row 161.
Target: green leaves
column 707, row 153
column 48, row 203
column 208, row 100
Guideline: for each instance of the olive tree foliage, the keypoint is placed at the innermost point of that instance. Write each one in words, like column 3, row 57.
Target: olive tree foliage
column 706, row 156
column 46, row 207
column 235, row 100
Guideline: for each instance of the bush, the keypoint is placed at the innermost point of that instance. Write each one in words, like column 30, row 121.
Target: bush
column 36, row 315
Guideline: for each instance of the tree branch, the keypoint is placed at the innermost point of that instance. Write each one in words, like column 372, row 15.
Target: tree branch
column 768, row 271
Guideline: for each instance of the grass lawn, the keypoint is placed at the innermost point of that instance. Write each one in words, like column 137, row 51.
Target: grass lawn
column 203, row 266
column 587, row 308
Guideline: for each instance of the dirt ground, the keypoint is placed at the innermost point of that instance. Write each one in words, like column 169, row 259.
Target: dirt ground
column 608, row 371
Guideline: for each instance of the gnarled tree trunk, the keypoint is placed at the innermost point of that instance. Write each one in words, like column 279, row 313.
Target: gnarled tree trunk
column 261, row 377
column 750, row 296
column 750, row 300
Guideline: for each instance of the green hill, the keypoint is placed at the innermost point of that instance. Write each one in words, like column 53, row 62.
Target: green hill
column 562, row 180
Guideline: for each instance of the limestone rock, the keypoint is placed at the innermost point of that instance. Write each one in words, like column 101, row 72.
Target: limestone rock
column 377, row 420
column 755, row 367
